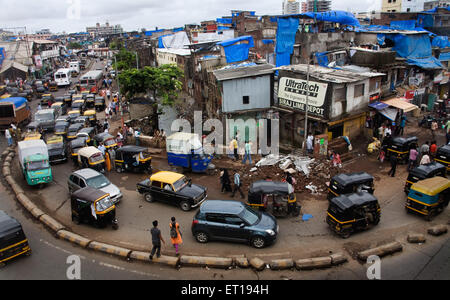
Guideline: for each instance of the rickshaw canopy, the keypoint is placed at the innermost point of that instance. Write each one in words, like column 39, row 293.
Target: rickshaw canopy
column 431, row 186
column 271, row 187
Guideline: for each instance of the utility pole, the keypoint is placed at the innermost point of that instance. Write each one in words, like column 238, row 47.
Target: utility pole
column 119, row 98
column 306, row 108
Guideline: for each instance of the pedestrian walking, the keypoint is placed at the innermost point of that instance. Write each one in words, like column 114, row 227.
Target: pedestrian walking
column 113, row 107
column 137, row 134
column 247, row 153
column 225, row 181
column 434, row 127
column 310, row 143
column 393, row 160
column 175, row 235
column 413, row 153
column 102, row 148
column 8, row 137
column 156, row 240
column 237, row 184
column 234, row 144
column 402, row 124
column 39, row 106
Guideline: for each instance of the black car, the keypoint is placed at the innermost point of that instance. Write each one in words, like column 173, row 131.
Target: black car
column 172, row 188
column 234, row 221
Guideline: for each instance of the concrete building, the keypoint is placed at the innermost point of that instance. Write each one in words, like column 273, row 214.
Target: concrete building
column 402, row 5
column 432, row 4
column 304, row 6
column 104, row 30
column 319, row 5
column 290, row 7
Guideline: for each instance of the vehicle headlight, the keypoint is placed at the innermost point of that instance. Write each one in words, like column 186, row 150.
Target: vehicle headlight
column 270, row 232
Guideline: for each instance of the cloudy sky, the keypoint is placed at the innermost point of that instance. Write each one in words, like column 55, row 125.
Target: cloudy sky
column 75, row 15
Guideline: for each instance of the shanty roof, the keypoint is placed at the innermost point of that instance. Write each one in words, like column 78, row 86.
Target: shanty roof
column 12, row 64
column 18, row 51
column 257, row 70
column 328, row 74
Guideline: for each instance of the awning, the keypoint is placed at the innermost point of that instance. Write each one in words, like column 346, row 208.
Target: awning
column 389, row 113
column 378, row 105
column 401, row 103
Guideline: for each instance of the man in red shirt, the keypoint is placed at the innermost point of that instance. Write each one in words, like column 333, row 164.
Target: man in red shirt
column 433, row 149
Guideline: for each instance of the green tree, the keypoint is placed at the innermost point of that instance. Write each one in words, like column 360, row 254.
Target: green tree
column 74, row 45
column 125, row 60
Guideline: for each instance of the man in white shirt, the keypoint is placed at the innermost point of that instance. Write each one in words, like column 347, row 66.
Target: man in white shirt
column 309, row 143
column 102, row 148
column 136, row 136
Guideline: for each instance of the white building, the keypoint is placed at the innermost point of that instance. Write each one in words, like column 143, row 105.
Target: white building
column 290, row 7
column 412, row 5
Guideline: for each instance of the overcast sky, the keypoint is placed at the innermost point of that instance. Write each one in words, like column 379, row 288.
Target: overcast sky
column 75, row 15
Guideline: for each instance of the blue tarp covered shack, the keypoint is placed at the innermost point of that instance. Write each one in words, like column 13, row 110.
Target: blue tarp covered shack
column 287, row 28
column 334, row 16
column 237, row 49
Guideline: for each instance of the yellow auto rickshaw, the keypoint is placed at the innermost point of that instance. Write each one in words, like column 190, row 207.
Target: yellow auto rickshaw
column 32, row 136
column 92, row 117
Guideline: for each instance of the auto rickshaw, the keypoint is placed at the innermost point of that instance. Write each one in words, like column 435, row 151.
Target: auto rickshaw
column 13, row 242
column 60, row 107
column 133, row 159
column 74, row 146
column 53, row 86
column 68, row 99
column 76, row 97
column 443, row 156
column 84, row 94
column 33, row 127
column 32, row 136
column 106, row 139
column 92, row 117
column 90, row 100
column 421, row 172
column 399, row 146
column 353, row 212
column 61, row 128
column 91, row 157
column 93, row 206
column 88, row 133
column 40, row 91
column 46, row 98
column 99, row 103
column 78, row 104
column 73, row 114
column 428, row 197
column 276, row 197
column 73, row 130
column 350, row 183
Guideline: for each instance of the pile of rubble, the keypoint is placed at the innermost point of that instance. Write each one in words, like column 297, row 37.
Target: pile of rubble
column 311, row 174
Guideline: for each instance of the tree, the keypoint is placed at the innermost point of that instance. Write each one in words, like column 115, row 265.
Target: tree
column 74, row 45
column 125, row 60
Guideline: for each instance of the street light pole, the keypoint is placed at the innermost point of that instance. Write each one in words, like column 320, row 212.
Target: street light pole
column 119, row 98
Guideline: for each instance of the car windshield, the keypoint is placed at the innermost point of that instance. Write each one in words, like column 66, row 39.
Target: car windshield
column 44, row 117
column 180, row 183
column 249, row 216
column 98, row 182
column 37, row 165
column 103, row 204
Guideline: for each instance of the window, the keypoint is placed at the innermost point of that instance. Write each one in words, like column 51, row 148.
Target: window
column 215, row 218
column 156, row 184
column 246, row 99
column 233, row 220
column 359, row 90
column 74, row 179
column 374, row 84
column 408, row 9
column 82, row 183
column 340, row 94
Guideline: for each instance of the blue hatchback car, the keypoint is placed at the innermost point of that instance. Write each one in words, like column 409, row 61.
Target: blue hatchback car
column 234, row 221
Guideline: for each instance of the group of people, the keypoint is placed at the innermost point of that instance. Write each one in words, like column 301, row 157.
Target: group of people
column 234, row 150
column 175, row 238
column 13, row 133
column 226, row 183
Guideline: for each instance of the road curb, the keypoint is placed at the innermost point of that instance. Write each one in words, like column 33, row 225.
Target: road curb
column 380, row 251
column 73, row 238
column 257, row 263
column 110, row 249
column 437, row 230
column 164, row 260
column 282, row 264
column 203, row 261
column 51, row 223
column 416, row 238
column 313, row 263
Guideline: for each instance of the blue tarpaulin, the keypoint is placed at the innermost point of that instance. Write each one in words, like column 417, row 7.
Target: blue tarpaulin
column 2, row 55
column 444, row 56
column 160, row 41
column 224, row 20
column 223, row 28
column 322, row 59
column 268, row 41
column 237, row 49
column 287, row 28
column 178, row 29
column 17, row 101
column 425, row 20
column 440, row 41
column 334, row 16
column 378, row 105
column 403, row 25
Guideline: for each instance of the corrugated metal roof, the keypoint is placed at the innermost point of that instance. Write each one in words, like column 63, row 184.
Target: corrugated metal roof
column 257, row 70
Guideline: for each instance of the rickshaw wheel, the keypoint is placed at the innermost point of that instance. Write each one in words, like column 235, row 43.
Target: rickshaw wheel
column 345, row 235
column 115, row 226
column 430, row 216
column 258, row 242
column 76, row 220
column 119, row 170
column 149, row 198
column 185, row 206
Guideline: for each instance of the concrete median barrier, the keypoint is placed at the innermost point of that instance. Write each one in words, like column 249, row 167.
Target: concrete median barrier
column 437, row 230
column 16, row 187
column 73, row 238
column 9, row 179
column 51, row 223
column 313, row 263
column 338, row 259
column 110, row 249
column 281, row 264
column 6, row 171
column 241, row 262
column 26, row 202
column 416, row 238
column 257, row 263
column 163, row 259
column 381, row 250
column 201, row 261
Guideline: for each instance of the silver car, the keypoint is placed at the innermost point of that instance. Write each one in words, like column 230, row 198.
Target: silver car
column 89, row 177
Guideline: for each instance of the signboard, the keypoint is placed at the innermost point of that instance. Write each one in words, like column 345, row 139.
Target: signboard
column 38, row 61
column 292, row 93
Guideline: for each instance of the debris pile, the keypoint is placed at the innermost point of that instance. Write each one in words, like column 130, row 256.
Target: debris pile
column 311, row 174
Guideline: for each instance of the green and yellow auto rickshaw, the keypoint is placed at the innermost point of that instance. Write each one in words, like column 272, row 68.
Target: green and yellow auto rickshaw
column 428, row 197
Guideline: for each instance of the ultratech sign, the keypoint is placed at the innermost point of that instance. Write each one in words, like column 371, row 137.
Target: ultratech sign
column 292, row 93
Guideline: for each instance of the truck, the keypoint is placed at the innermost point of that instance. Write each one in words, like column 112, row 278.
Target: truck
column 185, row 153
column 14, row 110
column 34, row 162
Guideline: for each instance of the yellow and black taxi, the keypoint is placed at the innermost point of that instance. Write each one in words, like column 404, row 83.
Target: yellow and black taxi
column 79, row 105
column 353, row 212
column 32, row 136
column 92, row 116
column 93, row 206
column 73, row 114
column 61, row 128
column 60, row 108
column 13, row 242
column 277, row 198
column 57, row 150
column 350, row 183
column 428, row 197
column 399, row 146
column 172, row 188
column 68, row 99
column 443, row 156
column 132, row 158
column 52, row 86
column 425, row 171
column 73, row 130
column 46, row 100
column 88, row 134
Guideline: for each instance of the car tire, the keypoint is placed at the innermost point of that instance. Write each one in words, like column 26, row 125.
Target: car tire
column 258, row 242
column 149, row 198
column 185, row 206
column 202, row 237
